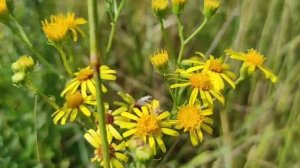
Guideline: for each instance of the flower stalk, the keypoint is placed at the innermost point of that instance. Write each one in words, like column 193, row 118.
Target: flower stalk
column 95, row 63
column 64, row 59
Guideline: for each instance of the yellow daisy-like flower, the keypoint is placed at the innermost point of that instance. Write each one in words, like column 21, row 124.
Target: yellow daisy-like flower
column 216, row 68
column 3, row 7
column 112, row 118
column 252, row 60
column 202, row 84
column 192, row 119
column 159, row 59
column 60, row 25
column 116, row 157
column 74, row 103
column 159, row 5
column 149, row 124
column 85, row 80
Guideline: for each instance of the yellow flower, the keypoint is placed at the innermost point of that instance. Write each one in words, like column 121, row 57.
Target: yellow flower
column 85, row 80
column 210, row 7
column 216, row 68
column 159, row 5
column 60, row 25
column 178, row 6
column 159, row 59
column 3, row 7
column 202, row 84
column 74, row 103
column 149, row 124
column 116, row 157
column 112, row 118
column 192, row 119
column 252, row 60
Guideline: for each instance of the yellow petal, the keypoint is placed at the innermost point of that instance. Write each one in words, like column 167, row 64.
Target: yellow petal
column 193, row 96
column 152, row 145
column 121, row 156
column 169, row 132
column 200, row 135
column 137, row 111
column 207, row 128
column 161, row 144
column 194, row 138
column 130, row 116
column 129, row 132
column 85, row 110
column 115, row 133
column 179, row 85
column 163, row 115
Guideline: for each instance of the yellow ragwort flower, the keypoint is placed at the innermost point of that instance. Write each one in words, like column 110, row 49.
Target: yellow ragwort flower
column 159, row 5
column 85, row 80
column 116, row 157
column 192, row 119
column 210, row 7
column 3, row 7
column 159, row 59
column 75, row 103
column 216, row 68
column 252, row 60
column 201, row 84
column 112, row 118
column 60, row 25
column 149, row 124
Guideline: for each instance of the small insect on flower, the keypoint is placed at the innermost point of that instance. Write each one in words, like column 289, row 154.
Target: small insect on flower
column 3, row 7
column 215, row 67
column 60, row 25
column 252, row 60
column 192, row 119
column 75, row 103
column 149, row 125
column 201, row 84
column 112, row 118
column 85, row 81
column 117, row 158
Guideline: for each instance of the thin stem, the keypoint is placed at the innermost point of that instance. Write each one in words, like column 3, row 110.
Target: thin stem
column 165, row 38
column 113, row 27
column 181, row 36
column 64, row 59
column 95, row 63
column 186, row 41
column 18, row 29
column 36, row 130
column 34, row 90
column 170, row 91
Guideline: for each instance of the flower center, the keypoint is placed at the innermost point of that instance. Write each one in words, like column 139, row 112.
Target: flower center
column 98, row 152
column 189, row 117
column 255, row 58
column 201, row 81
column 215, row 66
column 109, row 119
column 147, row 125
column 74, row 100
column 85, row 74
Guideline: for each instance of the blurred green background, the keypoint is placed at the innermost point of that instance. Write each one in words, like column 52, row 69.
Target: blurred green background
column 258, row 126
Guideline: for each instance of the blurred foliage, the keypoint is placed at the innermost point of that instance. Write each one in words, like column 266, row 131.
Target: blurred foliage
column 258, row 127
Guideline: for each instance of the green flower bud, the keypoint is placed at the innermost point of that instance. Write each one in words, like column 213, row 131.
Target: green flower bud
column 18, row 77
column 210, row 8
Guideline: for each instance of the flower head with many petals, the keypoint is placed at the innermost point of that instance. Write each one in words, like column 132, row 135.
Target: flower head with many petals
column 3, row 7
column 252, row 60
column 85, row 81
column 75, row 103
column 192, row 119
column 149, row 124
column 116, row 157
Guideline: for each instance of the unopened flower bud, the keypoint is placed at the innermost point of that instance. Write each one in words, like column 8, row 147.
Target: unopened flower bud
column 210, row 7
column 143, row 153
column 160, row 60
column 160, row 8
column 18, row 77
column 178, row 6
column 24, row 63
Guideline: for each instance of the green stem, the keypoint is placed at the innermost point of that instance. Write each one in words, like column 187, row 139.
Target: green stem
column 18, row 29
column 95, row 63
column 170, row 91
column 64, row 59
column 36, row 130
column 113, row 28
column 34, row 90
column 186, row 41
column 181, row 36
